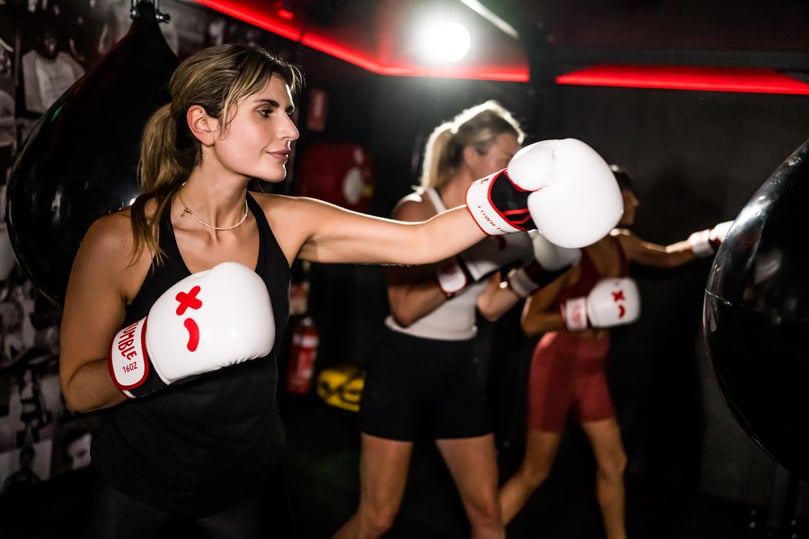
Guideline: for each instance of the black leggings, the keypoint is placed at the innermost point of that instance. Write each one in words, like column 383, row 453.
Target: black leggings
column 118, row 516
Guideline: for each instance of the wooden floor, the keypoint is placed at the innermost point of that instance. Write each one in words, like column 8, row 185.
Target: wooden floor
column 323, row 488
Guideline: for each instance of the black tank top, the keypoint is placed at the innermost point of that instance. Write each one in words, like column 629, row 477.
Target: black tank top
column 197, row 446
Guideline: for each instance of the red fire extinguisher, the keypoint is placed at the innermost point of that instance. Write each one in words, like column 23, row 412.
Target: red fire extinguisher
column 302, row 356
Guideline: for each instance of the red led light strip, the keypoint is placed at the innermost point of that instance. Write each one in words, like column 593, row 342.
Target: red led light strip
column 752, row 80
column 258, row 14
column 718, row 79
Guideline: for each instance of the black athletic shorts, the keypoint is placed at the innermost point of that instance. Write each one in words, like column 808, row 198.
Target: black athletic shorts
column 416, row 386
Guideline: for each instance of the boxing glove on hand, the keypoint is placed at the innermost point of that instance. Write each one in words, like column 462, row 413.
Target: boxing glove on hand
column 493, row 253
column 611, row 302
column 549, row 262
column 705, row 242
column 561, row 187
column 207, row 321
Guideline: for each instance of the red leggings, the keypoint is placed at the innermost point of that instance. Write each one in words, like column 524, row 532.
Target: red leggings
column 567, row 376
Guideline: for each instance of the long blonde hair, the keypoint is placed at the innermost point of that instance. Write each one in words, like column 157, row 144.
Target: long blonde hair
column 476, row 126
column 215, row 78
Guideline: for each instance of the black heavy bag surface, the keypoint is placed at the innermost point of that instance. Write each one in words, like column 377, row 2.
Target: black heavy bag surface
column 80, row 161
column 756, row 315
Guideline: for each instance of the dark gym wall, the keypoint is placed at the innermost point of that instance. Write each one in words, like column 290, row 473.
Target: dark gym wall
column 697, row 158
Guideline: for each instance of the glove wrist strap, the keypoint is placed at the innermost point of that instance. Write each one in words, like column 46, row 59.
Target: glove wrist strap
column 700, row 243
column 574, row 312
column 498, row 206
column 521, row 283
column 452, row 277
column 129, row 364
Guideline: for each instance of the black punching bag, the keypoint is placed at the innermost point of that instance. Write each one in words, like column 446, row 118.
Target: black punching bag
column 80, row 161
column 756, row 315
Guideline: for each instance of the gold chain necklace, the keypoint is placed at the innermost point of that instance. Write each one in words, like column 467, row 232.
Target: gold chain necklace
column 187, row 210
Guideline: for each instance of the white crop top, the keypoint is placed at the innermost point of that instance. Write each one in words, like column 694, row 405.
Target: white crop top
column 455, row 319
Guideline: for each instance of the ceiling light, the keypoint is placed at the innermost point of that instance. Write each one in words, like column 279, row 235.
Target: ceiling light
column 444, row 41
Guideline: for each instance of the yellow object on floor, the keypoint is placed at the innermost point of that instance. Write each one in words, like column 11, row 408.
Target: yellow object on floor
column 341, row 386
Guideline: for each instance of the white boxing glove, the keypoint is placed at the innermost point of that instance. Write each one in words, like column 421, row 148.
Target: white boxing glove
column 704, row 243
column 549, row 262
column 561, row 187
column 611, row 302
column 491, row 254
column 207, row 321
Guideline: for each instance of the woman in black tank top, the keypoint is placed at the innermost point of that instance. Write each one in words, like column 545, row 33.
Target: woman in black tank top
column 191, row 434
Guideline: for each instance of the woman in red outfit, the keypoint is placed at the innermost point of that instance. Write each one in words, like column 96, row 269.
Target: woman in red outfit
column 567, row 373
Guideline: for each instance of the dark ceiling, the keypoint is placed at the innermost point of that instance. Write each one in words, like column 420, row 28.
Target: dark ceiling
column 737, row 25
column 374, row 33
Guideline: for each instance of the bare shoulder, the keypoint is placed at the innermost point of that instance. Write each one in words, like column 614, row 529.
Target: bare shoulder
column 110, row 235
column 293, row 219
column 621, row 233
column 287, row 208
column 284, row 203
column 625, row 237
column 413, row 207
column 105, row 258
column 109, row 245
